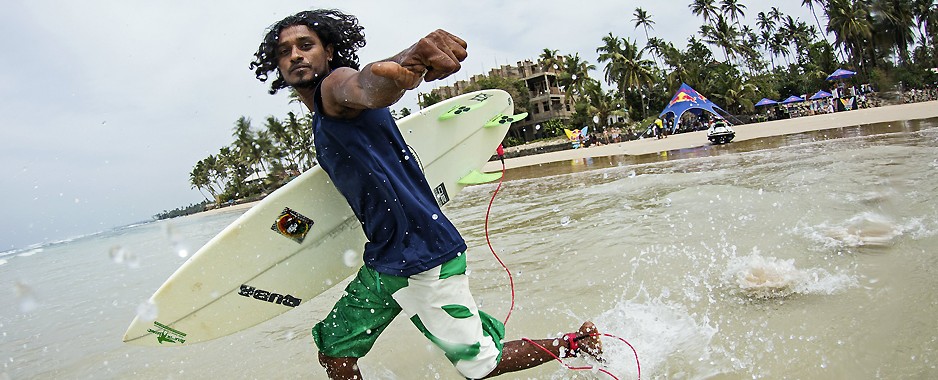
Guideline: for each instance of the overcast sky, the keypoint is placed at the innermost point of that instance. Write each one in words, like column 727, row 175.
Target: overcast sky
column 105, row 106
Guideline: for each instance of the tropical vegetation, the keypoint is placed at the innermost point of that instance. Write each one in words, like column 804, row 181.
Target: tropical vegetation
column 889, row 43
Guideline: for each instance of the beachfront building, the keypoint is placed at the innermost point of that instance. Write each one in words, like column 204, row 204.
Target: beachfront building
column 546, row 100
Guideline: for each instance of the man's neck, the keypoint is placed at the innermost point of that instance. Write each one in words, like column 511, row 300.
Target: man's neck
column 307, row 96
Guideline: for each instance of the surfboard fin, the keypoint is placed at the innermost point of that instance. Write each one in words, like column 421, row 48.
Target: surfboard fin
column 502, row 119
column 458, row 109
column 476, row 178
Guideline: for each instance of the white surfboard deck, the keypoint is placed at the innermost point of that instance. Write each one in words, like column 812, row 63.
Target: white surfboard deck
column 263, row 264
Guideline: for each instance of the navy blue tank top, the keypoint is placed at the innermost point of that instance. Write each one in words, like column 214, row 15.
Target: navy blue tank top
column 371, row 165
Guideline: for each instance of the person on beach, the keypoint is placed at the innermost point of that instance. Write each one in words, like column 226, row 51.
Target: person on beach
column 415, row 260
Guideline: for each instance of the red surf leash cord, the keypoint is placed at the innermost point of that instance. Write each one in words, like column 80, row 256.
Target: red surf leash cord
column 511, row 282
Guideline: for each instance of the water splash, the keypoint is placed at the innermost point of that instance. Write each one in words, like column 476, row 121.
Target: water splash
column 866, row 229
column 759, row 277
column 671, row 341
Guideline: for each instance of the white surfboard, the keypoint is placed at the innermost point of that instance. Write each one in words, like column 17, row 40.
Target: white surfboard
column 303, row 238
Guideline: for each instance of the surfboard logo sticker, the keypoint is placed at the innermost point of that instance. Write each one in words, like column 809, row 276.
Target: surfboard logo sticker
column 481, row 97
column 268, row 296
column 292, row 225
column 167, row 334
column 440, row 194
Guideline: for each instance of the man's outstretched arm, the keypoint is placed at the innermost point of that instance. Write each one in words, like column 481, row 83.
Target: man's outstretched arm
column 380, row 84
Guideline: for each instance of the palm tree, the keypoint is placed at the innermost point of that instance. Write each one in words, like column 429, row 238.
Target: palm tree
column 284, row 141
column 897, row 20
column 643, row 19
column 548, row 60
column 775, row 14
column 850, row 23
column 810, row 5
column 574, row 75
column 737, row 95
column 705, row 9
column 922, row 9
column 721, row 34
column 245, row 145
column 603, row 104
column 778, row 46
column 679, row 64
column 301, row 131
column 625, row 65
column 765, row 23
column 199, row 179
column 733, row 9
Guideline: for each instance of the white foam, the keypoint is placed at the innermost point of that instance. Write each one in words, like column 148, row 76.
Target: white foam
column 668, row 338
column 30, row 252
column 866, row 229
column 759, row 277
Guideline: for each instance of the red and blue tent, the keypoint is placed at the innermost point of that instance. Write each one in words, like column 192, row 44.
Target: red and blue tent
column 687, row 99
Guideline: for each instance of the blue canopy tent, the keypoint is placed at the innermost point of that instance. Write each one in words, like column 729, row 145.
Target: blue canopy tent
column 687, row 99
column 820, row 95
column 841, row 74
column 792, row 99
column 765, row 102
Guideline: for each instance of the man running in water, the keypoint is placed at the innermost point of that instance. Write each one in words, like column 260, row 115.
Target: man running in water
column 415, row 258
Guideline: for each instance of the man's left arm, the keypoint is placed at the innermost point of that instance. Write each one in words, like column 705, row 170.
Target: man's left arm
column 381, row 84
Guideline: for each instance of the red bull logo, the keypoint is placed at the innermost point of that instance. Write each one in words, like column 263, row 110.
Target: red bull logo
column 681, row 97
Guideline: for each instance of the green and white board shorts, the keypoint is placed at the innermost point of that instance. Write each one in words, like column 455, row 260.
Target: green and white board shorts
column 438, row 303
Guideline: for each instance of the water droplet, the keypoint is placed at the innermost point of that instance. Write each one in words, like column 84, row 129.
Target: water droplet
column 537, row 127
column 564, row 221
column 26, row 300
column 147, row 311
column 435, row 216
column 117, row 254
column 350, row 258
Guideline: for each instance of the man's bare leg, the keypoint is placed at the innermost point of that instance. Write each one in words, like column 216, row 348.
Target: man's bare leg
column 519, row 354
column 340, row 368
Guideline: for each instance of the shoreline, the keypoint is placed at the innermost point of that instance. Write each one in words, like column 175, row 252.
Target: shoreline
column 884, row 114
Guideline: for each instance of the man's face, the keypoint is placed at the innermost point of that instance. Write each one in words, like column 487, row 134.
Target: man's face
column 301, row 57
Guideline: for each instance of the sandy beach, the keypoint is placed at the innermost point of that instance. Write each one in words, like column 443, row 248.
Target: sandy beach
column 912, row 111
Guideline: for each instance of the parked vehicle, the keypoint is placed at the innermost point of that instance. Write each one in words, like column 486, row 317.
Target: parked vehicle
column 720, row 132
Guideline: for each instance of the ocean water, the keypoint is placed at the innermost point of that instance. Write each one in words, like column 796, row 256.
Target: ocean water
column 808, row 256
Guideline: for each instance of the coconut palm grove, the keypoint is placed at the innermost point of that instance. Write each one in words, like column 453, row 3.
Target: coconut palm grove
column 735, row 58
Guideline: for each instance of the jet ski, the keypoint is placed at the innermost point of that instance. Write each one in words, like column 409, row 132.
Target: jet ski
column 720, row 132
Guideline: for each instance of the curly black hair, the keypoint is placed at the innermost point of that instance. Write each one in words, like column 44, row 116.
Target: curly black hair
column 332, row 26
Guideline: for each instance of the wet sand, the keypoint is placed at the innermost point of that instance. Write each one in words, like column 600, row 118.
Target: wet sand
column 913, row 111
